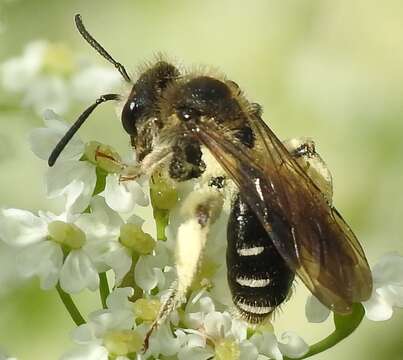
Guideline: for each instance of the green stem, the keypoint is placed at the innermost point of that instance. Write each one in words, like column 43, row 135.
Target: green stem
column 344, row 326
column 128, row 280
column 103, row 288
column 161, row 218
column 70, row 306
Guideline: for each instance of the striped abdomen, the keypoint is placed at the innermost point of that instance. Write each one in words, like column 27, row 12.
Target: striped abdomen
column 258, row 276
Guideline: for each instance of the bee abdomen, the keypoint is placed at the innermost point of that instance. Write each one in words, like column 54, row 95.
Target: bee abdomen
column 258, row 277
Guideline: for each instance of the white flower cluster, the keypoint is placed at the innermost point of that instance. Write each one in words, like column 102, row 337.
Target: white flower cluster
column 99, row 232
column 387, row 292
column 48, row 75
column 200, row 332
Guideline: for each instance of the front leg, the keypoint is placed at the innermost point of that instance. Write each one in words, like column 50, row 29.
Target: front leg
column 201, row 208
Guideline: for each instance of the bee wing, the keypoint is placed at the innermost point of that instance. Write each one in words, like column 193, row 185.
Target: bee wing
column 309, row 234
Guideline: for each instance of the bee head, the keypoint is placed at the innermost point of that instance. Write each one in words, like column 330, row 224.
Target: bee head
column 141, row 104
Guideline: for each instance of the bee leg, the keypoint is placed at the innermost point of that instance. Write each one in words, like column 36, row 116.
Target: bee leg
column 303, row 150
column 159, row 156
column 202, row 208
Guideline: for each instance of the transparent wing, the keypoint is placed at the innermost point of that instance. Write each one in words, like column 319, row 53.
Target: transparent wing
column 308, row 233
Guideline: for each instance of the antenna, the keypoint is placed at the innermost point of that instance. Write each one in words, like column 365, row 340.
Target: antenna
column 70, row 133
column 99, row 48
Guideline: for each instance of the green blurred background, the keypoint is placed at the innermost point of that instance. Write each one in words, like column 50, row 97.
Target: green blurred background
column 332, row 70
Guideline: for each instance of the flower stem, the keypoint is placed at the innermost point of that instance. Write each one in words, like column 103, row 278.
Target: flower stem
column 70, row 306
column 128, row 280
column 344, row 326
column 103, row 288
column 161, row 218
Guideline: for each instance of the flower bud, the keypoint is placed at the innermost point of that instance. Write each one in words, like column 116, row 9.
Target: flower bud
column 135, row 239
column 163, row 195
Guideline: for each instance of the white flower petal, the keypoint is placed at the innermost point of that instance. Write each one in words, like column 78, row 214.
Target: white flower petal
column 377, row 308
column 99, row 251
column 44, row 140
column 48, row 92
column 294, row 346
column 389, row 270
column 54, row 121
column 195, row 353
column 90, row 352
column 78, row 273
column 397, row 293
column 43, row 259
column 136, row 220
column 120, row 261
column 239, row 329
column 19, row 72
column 217, row 325
column 196, row 340
column 74, row 179
column 21, row 227
column 94, row 81
column 106, row 320
column 248, row 350
column 267, row 345
column 118, row 299
column 164, row 342
column 315, row 311
column 84, row 334
column 122, row 197
column 102, row 222
column 145, row 274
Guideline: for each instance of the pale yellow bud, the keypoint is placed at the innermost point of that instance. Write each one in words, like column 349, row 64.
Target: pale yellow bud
column 123, row 342
column 227, row 349
column 135, row 239
column 66, row 234
column 146, row 309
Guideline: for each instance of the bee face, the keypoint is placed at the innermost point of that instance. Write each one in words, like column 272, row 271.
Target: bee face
column 142, row 105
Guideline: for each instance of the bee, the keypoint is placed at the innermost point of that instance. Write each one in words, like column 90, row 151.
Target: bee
column 282, row 222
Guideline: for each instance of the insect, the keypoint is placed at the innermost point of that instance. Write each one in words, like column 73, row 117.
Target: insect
column 282, row 221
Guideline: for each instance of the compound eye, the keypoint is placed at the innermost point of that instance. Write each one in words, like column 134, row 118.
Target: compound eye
column 131, row 113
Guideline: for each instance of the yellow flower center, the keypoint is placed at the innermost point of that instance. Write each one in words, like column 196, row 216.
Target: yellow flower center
column 135, row 239
column 227, row 349
column 66, row 234
column 58, row 59
column 123, row 342
column 146, row 309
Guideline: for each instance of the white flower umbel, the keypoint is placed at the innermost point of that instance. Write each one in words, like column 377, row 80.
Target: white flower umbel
column 48, row 75
column 387, row 292
column 111, row 241
column 109, row 333
column 50, row 247
column 75, row 179
column 214, row 333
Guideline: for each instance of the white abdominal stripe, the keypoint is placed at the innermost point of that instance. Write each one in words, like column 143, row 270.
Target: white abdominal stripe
column 252, row 251
column 252, row 283
column 254, row 308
